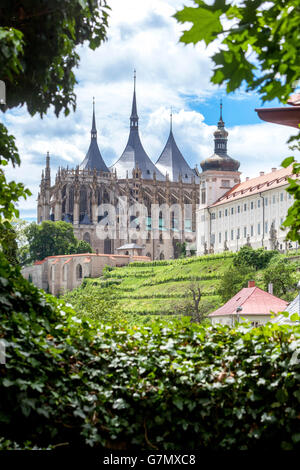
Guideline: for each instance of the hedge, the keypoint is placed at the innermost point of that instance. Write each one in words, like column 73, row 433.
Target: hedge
column 168, row 386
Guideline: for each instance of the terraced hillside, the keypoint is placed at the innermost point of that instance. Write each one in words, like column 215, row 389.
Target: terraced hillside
column 156, row 288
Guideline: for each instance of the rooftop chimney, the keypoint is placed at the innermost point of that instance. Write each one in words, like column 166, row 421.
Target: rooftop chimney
column 251, row 283
column 261, row 173
column 270, row 288
column 273, row 169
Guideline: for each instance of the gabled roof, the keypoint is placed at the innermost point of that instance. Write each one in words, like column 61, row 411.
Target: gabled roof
column 171, row 161
column 93, row 159
column 254, row 301
column 257, row 185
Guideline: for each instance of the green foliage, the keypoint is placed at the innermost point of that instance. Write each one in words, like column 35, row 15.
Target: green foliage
column 135, row 388
column 38, row 49
column 37, row 58
column 234, row 279
column 282, row 275
column 53, row 238
column 10, row 191
column 257, row 259
column 94, row 303
column 260, row 47
column 293, row 216
column 8, row 243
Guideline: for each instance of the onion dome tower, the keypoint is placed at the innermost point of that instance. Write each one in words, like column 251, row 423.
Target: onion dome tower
column 172, row 162
column 93, row 159
column 220, row 161
column 134, row 155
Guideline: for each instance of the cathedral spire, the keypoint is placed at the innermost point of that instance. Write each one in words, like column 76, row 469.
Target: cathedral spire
column 171, row 120
column 93, row 159
column 94, row 130
column 134, row 119
column 47, row 170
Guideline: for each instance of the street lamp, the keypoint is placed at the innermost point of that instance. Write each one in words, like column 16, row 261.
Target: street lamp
column 238, row 310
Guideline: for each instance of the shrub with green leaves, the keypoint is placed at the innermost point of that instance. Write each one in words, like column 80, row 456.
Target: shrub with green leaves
column 164, row 386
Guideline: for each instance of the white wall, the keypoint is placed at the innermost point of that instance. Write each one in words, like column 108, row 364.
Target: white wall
column 244, row 222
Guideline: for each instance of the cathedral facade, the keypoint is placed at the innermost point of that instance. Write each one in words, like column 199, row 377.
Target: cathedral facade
column 133, row 204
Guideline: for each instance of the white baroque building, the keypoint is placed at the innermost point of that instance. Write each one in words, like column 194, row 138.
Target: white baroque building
column 234, row 213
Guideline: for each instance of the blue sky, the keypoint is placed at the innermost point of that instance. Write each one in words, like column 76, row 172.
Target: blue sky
column 145, row 36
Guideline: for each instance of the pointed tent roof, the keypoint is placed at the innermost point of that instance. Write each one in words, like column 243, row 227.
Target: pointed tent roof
column 172, row 161
column 254, row 301
column 93, row 159
column 134, row 155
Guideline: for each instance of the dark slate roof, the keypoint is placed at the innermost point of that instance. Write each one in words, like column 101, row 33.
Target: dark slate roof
column 171, row 161
column 93, row 159
column 134, row 155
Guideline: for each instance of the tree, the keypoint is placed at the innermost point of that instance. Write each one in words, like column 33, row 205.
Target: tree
column 53, row 238
column 258, row 45
column 281, row 273
column 234, row 279
column 256, row 259
column 8, row 243
column 38, row 49
column 83, row 247
column 94, row 303
column 192, row 304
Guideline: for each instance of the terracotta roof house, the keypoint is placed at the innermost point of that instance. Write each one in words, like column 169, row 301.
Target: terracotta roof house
column 251, row 304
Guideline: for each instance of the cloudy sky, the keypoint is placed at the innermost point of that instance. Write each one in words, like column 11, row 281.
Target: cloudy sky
column 143, row 35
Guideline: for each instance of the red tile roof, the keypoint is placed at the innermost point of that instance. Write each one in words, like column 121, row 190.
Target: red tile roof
column 256, row 185
column 254, row 301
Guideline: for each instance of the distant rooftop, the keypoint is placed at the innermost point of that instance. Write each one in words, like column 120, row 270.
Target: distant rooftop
column 254, row 301
column 258, row 184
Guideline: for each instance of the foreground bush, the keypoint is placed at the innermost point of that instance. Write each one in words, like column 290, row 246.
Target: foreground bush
column 159, row 387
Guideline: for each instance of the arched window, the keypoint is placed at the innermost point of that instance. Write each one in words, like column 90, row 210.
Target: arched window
column 148, row 254
column 79, row 271
column 161, row 256
column 83, row 201
column 87, row 237
column 71, row 200
column 107, row 246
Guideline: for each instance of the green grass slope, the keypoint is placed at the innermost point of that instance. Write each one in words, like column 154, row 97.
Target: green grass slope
column 156, row 288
